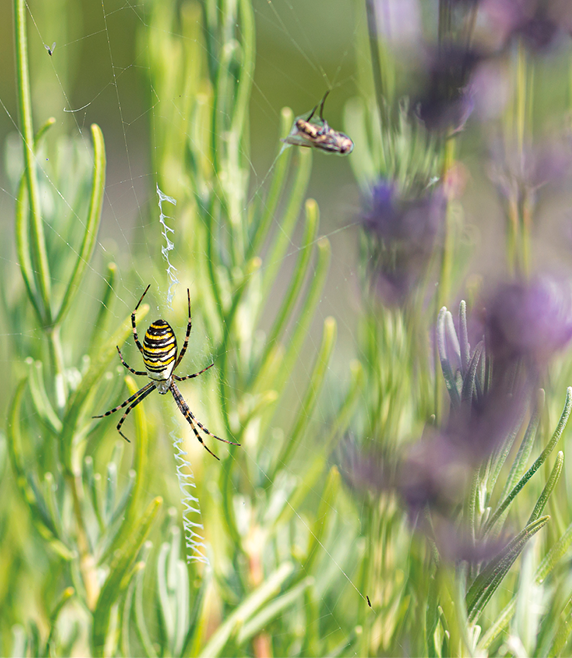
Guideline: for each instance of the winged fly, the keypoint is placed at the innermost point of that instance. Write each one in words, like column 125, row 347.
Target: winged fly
column 50, row 50
column 318, row 134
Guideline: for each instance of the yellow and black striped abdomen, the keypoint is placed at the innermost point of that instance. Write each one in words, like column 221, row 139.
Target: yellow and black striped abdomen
column 159, row 350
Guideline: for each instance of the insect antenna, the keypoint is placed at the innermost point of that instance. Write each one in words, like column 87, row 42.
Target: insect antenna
column 312, row 113
column 322, row 105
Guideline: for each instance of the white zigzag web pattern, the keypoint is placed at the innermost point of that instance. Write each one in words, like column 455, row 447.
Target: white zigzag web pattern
column 169, row 246
column 193, row 540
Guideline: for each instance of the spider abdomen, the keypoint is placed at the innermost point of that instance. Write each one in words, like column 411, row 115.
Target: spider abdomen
column 159, row 350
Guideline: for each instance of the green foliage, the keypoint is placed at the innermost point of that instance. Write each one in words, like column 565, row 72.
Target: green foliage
column 309, row 515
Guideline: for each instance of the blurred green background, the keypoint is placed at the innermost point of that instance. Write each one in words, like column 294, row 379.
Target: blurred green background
column 334, row 543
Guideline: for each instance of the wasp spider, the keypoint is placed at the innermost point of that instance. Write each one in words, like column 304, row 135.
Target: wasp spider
column 159, row 352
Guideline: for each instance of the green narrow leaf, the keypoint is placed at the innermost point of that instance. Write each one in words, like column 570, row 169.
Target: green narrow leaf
column 40, row 396
column 327, row 504
column 499, row 457
column 519, row 465
column 259, row 622
column 97, row 367
column 298, row 278
column 118, row 577
column 14, row 436
column 92, row 223
column 100, row 324
column 311, row 394
column 469, row 388
column 306, row 314
column 245, row 611
column 39, row 258
column 550, row 561
column 60, row 603
column 140, row 621
column 493, row 574
column 464, row 346
column 275, row 257
column 503, row 506
column 140, row 460
column 562, row 636
column 247, row 57
column 548, row 489
column 23, row 249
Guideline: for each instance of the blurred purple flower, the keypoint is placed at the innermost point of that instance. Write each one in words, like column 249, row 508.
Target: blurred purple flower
column 447, row 99
column 528, row 322
column 363, row 470
column 401, row 235
column 539, row 23
column 431, row 481
column 455, row 544
column 433, row 475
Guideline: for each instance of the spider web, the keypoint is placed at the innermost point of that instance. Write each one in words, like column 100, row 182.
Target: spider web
column 303, row 49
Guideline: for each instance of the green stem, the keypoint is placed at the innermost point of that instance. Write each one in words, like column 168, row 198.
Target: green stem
column 58, row 367
column 375, row 60
column 444, row 289
column 39, row 254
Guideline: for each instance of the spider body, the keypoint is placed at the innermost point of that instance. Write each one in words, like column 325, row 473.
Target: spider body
column 159, row 351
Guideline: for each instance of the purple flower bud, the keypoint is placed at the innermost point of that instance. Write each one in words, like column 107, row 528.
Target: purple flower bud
column 401, row 235
column 528, row 321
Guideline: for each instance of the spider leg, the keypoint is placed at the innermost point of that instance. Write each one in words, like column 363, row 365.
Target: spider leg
column 135, row 372
column 124, row 404
column 182, row 379
column 150, row 387
column 184, row 407
column 187, row 334
column 139, row 346
column 206, row 431
column 322, row 105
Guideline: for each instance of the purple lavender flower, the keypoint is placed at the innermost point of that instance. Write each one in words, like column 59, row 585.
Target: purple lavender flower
column 539, row 23
column 433, row 476
column 447, row 100
column 401, row 235
column 364, row 471
column 528, row 322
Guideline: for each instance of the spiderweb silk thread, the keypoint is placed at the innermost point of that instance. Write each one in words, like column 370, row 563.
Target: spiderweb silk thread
column 169, row 246
column 193, row 540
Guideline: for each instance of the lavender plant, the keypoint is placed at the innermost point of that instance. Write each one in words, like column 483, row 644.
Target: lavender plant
column 380, row 512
